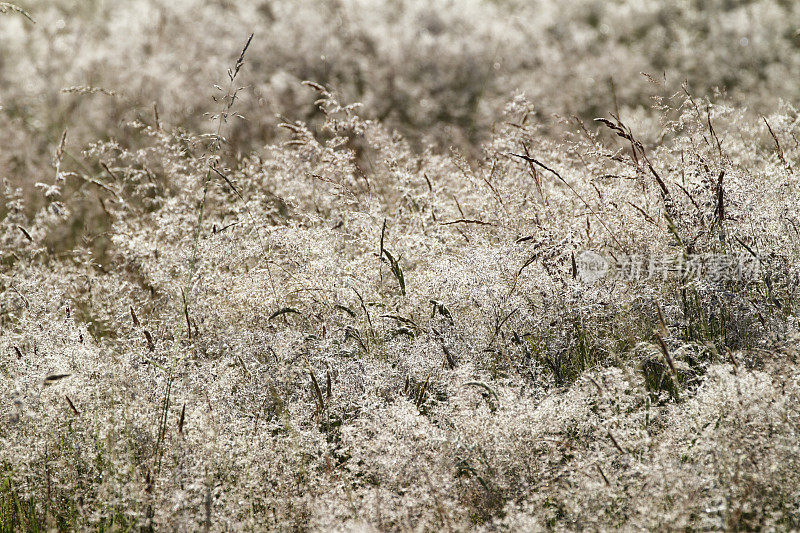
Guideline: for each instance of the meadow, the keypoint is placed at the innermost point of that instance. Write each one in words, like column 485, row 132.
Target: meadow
column 399, row 265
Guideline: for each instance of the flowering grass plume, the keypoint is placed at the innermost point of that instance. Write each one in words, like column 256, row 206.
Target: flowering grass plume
column 367, row 266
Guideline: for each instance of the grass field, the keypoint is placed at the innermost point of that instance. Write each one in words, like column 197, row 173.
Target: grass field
column 399, row 265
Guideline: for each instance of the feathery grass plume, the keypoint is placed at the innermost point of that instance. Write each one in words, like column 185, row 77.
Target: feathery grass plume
column 193, row 334
column 6, row 7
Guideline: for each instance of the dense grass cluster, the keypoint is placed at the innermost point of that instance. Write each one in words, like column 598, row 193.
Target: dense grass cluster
column 333, row 276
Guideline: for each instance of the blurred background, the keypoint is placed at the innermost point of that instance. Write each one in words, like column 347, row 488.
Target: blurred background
column 438, row 71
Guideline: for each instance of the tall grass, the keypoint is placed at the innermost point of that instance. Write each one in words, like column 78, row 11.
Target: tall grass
column 484, row 297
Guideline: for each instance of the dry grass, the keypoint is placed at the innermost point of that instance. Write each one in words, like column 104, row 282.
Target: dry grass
column 381, row 316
